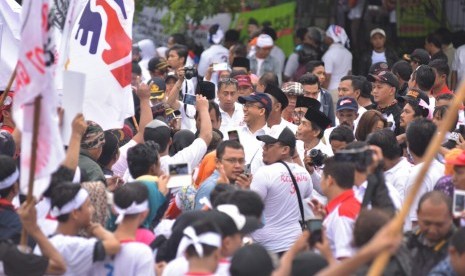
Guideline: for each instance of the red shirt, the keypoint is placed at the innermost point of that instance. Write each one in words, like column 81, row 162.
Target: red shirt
column 7, row 128
column 444, row 90
column 349, row 206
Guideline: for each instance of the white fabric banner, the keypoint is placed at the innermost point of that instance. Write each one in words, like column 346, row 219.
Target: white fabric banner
column 10, row 29
column 34, row 77
column 100, row 46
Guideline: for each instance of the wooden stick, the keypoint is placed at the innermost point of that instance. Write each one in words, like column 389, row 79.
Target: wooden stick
column 8, row 87
column 32, row 169
column 382, row 259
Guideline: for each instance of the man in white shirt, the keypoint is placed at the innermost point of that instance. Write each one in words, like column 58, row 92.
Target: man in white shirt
column 279, row 102
column 257, row 108
column 232, row 115
column 274, row 185
column 177, row 59
column 458, row 67
column 396, row 167
column 351, row 86
column 346, row 113
column 262, row 61
column 419, row 134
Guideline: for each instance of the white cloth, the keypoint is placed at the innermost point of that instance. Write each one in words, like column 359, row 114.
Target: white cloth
column 232, row 122
column 326, row 149
column 435, row 171
column 187, row 117
column 398, row 175
column 338, row 63
column 180, row 266
column 291, row 65
column 459, row 64
column 121, row 165
column 134, row 258
column 359, row 192
column 77, row 253
column 281, row 214
column 192, row 155
column 250, row 143
column 214, row 54
column 378, row 57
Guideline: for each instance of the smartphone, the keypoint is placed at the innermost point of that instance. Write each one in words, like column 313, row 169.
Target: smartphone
column 247, row 170
column 459, row 202
column 233, row 135
column 180, row 175
column 314, row 226
column 223, row 66
column 189, row 99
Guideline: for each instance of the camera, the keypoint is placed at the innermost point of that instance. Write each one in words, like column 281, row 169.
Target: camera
column 318, row 157
column 362, row 156
column 190, row 72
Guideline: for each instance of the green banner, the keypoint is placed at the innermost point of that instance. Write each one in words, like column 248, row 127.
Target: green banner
column 282, row 21
column 417, row 18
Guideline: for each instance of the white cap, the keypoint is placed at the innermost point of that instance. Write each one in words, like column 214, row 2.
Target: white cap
column 217, row 37
column 378, row 31
column 264, row 41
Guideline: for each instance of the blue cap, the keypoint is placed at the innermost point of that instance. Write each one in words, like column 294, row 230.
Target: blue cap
column 347, row 103
column 262, row 98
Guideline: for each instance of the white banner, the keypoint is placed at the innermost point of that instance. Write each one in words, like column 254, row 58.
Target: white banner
column 10, row 29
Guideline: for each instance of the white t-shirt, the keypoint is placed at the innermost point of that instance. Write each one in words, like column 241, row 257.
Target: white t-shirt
column 338, row 63
column 180, row 266
column 231, row 122
column 77, row 253
column 459, row 63
column 378, row 57
column 398, row 175
column 192, row 155
column 121, row 165
column 214, row 54
column 281, row 214
column 187, row 117
column 435, row 171
column 134, row 258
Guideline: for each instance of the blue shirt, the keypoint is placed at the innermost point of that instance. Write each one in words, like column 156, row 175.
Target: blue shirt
column 444, row 268
column 206, row 188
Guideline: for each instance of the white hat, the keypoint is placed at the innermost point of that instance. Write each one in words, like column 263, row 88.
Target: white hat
column 377, row 31
column 264, row 41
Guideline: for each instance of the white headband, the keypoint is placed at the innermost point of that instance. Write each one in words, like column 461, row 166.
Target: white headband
column 10, row 180
column 233, row 212
column 131, row 210
column 74, row 204
column 191, row 238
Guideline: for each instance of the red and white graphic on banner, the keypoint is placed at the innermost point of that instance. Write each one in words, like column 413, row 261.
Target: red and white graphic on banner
column 34, row 77
column 100, row 46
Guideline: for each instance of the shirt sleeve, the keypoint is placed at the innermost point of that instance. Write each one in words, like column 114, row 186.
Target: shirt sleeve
column 120, row 167
column 193, row 154
column 343, row 241
column 291, row 65
column 146, row 263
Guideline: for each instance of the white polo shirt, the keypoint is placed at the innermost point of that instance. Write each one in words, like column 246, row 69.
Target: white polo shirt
column 250, row 143
column 134, row 258
column 192, row 155
column 435, row 171
column 281, row 214
column 231, row 122
column 398, row 175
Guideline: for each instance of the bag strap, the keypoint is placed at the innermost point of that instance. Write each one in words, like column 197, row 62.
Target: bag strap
column 299, row 198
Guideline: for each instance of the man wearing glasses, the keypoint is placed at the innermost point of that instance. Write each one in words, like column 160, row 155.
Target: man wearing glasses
column 232, row 115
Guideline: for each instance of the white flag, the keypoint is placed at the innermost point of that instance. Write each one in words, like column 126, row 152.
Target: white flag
column 100, row 46
column 34, row 77
column 10, row 28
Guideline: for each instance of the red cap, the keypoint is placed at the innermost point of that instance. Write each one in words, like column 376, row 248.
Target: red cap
column 243, row 80
column 458, row 161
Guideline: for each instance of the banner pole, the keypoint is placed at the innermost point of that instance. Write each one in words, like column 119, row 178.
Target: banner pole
column 8, row 87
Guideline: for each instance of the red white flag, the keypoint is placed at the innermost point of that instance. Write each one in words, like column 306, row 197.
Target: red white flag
column 100, row 46
column 34, row 77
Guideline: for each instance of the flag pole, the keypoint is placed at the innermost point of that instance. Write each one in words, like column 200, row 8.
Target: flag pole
column 8, row 87
column 35, row 134
column 382, row 259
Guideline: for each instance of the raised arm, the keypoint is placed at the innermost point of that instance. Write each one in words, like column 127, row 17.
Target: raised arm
column 79, row 127
column 205, row 122
column 146, row 116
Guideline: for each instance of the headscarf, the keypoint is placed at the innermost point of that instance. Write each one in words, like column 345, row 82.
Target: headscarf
column 338, row 35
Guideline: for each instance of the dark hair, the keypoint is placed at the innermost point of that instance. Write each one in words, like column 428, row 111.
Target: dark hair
column 343, row 134
column 317, row 127
column 418, row 111
column 419, row 134
column 440, row 66
column 61, row 194
column 309, row 79
column 239, row 50
column 366, row 123
column 300, row 33
column 109, row 149
column 141, row 157
column 312, row 64
column 437, row 197
column 358, row 166
column 231, row 36
column 201, row 227
column 269, row 78
column 367, row 225
column 227, row 144
column 441, row 110
column 211, row 106
column 403, row 69
column 248, row 202
column 447, row 97
column 136, row 68
column 435, row 39
column 342, row 172
column 181, row 50
column 357, row 82
column 220, row 194
column 386, row 140
column 424, row 76
column 252, row 21
column 270, row 31
column 159, row 135
column 179, row 38
column 458, row 240
column 445, row 35
column 131, row 192
column 7, row 168
column 307, row 53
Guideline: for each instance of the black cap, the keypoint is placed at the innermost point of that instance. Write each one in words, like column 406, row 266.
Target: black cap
column 157, row 63
column 241, row 62
column 278, row 94
column 157, row 88
column 307, row 102
column 418, row 55
column 308, row 263
column 378, row 67
column 7, row 144
column 403, row 69
column 318, row 117
column 251, row 259
column 385, row 77
column 206, row 89
column 415, row 95
column 286, row 137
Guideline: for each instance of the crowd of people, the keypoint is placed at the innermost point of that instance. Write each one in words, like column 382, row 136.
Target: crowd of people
column 240, row 161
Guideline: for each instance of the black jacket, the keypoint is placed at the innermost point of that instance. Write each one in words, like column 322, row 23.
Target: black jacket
column 365, row 60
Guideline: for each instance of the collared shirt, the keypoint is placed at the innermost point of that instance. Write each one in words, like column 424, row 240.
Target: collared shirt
column 231, row 122
column 249, row 141
column 398, row 174
column 339, row 223
column 205, row 189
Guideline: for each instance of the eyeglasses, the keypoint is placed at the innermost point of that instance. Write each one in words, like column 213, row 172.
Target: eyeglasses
column 240, row 161
column 249, row 105
column 228, row 80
